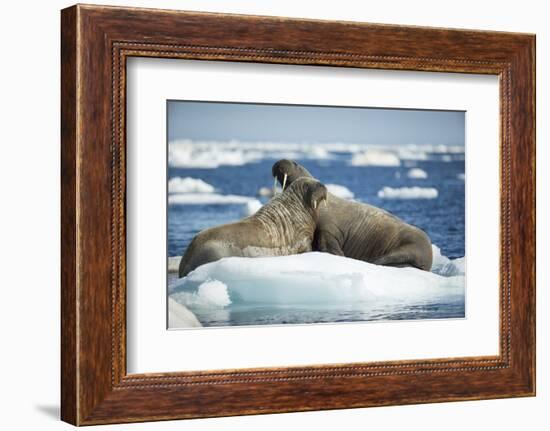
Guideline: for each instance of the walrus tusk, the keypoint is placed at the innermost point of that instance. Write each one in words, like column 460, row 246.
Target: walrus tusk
column 314, row 205
column 325, row 202
column 284, row 182
column 274, row 185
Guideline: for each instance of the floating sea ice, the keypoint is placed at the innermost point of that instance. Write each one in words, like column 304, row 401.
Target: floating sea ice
column 206, row 199
column 461, row 176
column 417, row 173
column 189, row 154
column 408, row 193
column 375, row 158
column 179, row 316
column 174, row 263
column 189, row 185
column 208, row 293
column 265, row 191
column 318, row 152
column 412, row 154
column 454, row 267
column 438, row 260
column 251, row 207
column 311, row 278
column 340, row 191
column 444, row 266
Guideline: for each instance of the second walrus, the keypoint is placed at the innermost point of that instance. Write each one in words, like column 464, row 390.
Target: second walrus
column 360, row 231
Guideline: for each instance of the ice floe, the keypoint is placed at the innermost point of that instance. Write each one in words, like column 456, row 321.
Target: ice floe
column 309, row 278
column 189, row 185
column 340, row 191
column 375, row 158
column 187, row 154
column 409, row 154
column 250, row 207
column 209, row 293
column 442, row 265
column 174, row 263
column 408, row 193
column 417, row 173
column 461, row 176
column 179, row 316
column 212, row 154
column 206, row 199
column 265, row 192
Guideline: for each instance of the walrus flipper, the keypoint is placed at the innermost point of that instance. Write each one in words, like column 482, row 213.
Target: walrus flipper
column 327, row 243
column 404, row 256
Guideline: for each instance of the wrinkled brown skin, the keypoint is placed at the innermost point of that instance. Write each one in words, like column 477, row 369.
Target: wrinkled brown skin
column 361, row 231
column 283, row 226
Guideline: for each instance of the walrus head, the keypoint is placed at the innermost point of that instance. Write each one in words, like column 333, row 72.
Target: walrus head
column 314, row 193
column 287, row 171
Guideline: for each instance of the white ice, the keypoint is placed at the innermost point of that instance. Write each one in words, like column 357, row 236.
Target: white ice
column 187, row 154
column 179, row 316
column 212, row 154
column 375, row 158
column 250, row 207
column 412, row 154
column 461, row 176
column 208, row 293
column 189, row 185
column 174, row 263
column 417, row 173
column 310, row 278
column 265, row 191
column 442, row 265
column 408, row 193
column 340, row 191
column 206, row 199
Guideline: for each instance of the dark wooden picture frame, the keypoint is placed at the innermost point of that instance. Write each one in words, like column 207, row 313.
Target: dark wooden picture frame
column 95, row 43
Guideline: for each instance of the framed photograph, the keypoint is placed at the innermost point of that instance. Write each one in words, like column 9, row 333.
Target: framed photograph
column 264, row 215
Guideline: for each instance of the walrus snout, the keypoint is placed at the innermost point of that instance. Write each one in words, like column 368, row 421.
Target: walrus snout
column 316, row 194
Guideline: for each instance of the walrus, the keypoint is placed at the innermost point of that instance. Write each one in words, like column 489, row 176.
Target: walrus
column 361, row 231
column 283, row 226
